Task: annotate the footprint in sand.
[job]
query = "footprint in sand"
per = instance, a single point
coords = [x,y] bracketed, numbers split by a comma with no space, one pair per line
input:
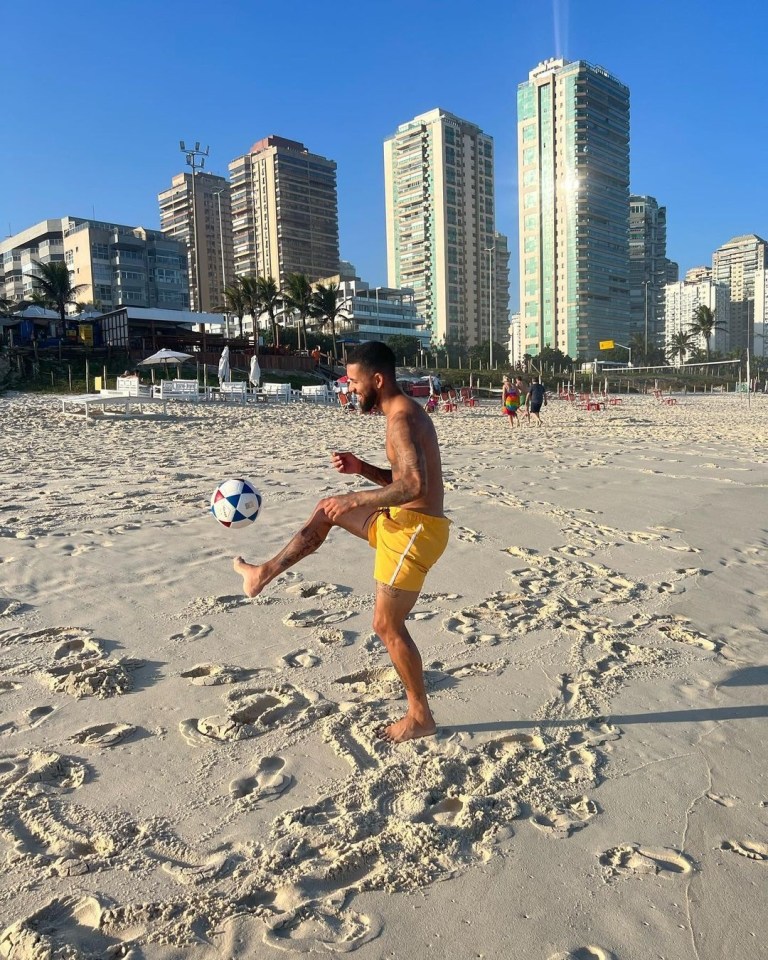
[103,734]
[322,927]
[722,800]
[469,536]
[473,669]
[217,674]
[28,721]
[561,821]
[300,658]
[7,685]
[316,589]
[192,632]
[250,713]
[57,926]
[584,953]
[374,683]
[80,648]
[10,607]
[270,780]
[633,860]
[334,638]
[190,875]
[316,618]
[751,849]
[422,614]
[676,631]
[445,812]
[88,678]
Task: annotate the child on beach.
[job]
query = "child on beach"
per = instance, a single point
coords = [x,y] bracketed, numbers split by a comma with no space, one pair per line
[510,398]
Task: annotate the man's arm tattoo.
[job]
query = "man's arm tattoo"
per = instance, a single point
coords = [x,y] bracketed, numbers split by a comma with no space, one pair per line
[376,474]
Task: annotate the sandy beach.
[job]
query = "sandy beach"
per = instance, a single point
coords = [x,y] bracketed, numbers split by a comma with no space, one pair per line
[186,773]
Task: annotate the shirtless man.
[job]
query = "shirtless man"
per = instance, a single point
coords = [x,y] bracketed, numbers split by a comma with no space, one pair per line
[403,521]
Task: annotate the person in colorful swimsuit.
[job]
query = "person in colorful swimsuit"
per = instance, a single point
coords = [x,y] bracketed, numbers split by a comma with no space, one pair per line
[403,521]
[510,396]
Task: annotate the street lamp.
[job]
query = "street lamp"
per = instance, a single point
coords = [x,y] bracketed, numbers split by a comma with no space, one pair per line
[490,252]
[195,154]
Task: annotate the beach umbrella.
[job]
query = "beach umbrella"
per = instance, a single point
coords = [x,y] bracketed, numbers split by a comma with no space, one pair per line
[224,373]
[165,357]
[255,372]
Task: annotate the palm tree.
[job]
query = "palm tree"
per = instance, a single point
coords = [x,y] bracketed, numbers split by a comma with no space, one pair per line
[6,306]
[234,301]
[53,284]
[270,300]
[252,301]
[327,307]
[704,324]
[297,295]
[679,344]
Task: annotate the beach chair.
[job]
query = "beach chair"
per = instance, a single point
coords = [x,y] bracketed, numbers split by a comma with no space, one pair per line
[177,390]
[278,391]
[445,403]
[467,398]
[315,393]
[234,391]
[133,387]
[346,403]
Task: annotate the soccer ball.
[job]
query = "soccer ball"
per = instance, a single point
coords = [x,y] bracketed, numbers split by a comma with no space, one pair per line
[235,503]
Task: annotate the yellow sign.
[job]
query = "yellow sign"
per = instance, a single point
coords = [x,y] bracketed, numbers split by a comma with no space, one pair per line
[607,344]
[85,333]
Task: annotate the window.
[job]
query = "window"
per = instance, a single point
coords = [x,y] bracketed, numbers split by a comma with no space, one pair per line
[529,132]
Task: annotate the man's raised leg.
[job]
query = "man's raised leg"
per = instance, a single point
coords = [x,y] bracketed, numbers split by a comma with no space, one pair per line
[392,607]
[306,541]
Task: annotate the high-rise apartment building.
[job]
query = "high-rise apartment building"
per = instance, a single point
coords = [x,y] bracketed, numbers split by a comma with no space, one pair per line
[737,264]
[284,211]
[439,186]
[573,162]
[648,268]
[501,288]
[683,298]
[116,265]
[199,214]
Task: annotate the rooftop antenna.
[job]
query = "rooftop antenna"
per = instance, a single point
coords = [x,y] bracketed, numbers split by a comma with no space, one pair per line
[196,160]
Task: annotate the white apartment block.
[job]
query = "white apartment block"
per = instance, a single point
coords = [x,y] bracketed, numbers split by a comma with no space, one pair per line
[376,313]
[115,265]
[441,239]
[44,242]
[284,211]
[199,214]
[736,264]
[682,299]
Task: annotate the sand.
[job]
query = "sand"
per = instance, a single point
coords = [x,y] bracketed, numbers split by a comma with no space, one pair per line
[185,773]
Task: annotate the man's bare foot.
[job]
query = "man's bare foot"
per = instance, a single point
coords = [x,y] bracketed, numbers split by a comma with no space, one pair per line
[254,577]
[406,729]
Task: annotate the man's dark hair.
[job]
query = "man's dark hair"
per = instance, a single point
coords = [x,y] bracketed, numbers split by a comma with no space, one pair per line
[375,357]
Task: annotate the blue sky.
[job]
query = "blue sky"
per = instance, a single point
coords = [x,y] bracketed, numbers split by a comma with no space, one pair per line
[98,94]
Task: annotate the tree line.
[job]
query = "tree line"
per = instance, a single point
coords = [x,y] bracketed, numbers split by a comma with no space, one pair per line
[261,296]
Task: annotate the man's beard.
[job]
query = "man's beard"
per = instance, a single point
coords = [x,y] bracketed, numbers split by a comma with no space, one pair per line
[367,402]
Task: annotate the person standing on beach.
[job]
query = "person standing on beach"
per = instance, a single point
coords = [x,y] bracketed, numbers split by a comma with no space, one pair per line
[510,398]
[537,396]
[522,386]
[403,521]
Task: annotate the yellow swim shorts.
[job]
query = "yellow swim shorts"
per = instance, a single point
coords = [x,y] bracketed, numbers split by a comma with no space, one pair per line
[407,545]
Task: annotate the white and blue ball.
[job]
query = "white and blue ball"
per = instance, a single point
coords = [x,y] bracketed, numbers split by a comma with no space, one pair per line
[235,503]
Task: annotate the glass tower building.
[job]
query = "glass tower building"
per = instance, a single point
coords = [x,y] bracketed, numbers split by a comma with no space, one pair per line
[573,163]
